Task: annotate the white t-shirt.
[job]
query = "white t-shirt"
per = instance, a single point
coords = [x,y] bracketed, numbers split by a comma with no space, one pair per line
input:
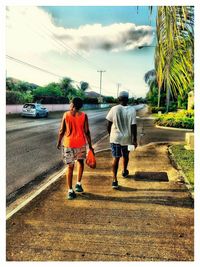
[122,117]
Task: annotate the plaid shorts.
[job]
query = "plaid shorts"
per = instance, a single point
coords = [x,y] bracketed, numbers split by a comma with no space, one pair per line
[70,155]
[119,151]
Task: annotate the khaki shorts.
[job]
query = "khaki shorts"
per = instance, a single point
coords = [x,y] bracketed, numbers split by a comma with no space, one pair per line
[70,155]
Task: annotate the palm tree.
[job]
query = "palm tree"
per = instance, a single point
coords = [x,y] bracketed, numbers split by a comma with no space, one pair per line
[174,50]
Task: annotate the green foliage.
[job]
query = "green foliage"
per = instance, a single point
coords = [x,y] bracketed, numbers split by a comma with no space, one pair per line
[27,97]
[172,106]
[152,95]
[52,89]
[15,97]
[53,93]
[67,88]
[10,84]
[109,99]
[182,101]
[140,100]
[181,119]
[89,100]
[84,86]
[185,159]
[132,101]
[51,99]
[157,109]
[20,86]
[174,50]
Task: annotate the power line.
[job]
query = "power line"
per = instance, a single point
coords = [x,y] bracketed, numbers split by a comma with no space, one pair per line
[41,69]
[59,43]
[32,66]
[71,49]
[62,44]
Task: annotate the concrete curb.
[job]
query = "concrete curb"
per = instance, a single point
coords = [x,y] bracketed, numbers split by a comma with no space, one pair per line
[178,167]
[174,129]
[14,208]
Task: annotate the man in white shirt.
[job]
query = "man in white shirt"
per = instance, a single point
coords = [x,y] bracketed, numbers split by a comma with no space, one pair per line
[122,129]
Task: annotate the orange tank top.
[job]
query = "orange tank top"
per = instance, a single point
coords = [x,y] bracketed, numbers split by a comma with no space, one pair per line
[74,135]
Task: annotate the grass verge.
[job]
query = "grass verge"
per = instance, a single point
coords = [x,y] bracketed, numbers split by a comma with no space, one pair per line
[185,160]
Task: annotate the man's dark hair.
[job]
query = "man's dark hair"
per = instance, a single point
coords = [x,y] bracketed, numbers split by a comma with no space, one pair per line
[78,102]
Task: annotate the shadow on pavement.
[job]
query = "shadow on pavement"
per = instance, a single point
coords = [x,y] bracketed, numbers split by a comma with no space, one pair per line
[158,200]
[151,176]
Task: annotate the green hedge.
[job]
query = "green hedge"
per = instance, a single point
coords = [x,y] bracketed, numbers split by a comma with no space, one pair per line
[181,119]
[16,97]
[51,99]
[156,109]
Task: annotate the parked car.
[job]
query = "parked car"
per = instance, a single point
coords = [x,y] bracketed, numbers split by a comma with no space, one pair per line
[34,110]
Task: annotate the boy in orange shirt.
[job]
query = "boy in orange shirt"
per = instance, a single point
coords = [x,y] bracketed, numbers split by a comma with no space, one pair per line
[74,131]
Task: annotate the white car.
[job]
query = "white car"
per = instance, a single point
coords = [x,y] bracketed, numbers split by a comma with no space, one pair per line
[34,110]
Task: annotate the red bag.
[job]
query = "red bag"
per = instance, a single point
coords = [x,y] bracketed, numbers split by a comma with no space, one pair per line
[90,159]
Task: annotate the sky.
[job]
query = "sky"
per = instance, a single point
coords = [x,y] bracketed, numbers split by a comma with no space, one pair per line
[79,41]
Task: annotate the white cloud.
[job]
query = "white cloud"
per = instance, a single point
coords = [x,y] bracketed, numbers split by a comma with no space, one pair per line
[30,30]
[33,37]
[116,37]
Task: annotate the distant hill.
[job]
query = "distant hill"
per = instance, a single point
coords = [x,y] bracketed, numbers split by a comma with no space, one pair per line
[17,81]
[92,94]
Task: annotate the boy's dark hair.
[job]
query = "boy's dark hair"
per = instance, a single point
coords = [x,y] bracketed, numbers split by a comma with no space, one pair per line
[78,102]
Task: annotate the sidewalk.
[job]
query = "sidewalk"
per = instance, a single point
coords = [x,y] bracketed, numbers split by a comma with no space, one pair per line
[150,218]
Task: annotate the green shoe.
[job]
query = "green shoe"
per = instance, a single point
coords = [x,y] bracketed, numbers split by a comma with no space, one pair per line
[71,195]
[125,173]
[115,185]
[78,188]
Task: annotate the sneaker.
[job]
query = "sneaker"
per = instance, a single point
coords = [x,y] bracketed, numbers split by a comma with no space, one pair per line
[115,185]
[78,188]
[71,195]
[125,173]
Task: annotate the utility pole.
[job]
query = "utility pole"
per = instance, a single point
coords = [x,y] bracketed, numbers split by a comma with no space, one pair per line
[101,71]
[118,85]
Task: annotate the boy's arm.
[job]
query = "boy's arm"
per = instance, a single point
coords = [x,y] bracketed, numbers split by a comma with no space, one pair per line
[61,132]
[87,132]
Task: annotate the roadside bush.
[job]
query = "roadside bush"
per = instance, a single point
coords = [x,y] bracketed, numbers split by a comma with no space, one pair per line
[14,97]
[88,100]
[51,99]
[27,97]
[173,106]
[156,109]
[109,99]
[182,119]
[51,89]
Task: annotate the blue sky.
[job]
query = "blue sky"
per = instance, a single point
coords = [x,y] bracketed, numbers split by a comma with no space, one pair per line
[77,41]
[100,14]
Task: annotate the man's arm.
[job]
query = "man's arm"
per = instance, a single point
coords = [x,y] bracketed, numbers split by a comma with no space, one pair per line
[61,132]
[87,132]
[109,125]
[134,134]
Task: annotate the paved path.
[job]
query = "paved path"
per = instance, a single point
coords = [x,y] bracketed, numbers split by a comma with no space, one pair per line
[150,218]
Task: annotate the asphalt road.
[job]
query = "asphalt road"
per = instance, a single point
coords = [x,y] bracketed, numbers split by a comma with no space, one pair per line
[31,146]
[31,143]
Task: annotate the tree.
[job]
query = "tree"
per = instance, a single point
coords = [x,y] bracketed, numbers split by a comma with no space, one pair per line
[84,86]
[66,86]
[52,89]
[174,50]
